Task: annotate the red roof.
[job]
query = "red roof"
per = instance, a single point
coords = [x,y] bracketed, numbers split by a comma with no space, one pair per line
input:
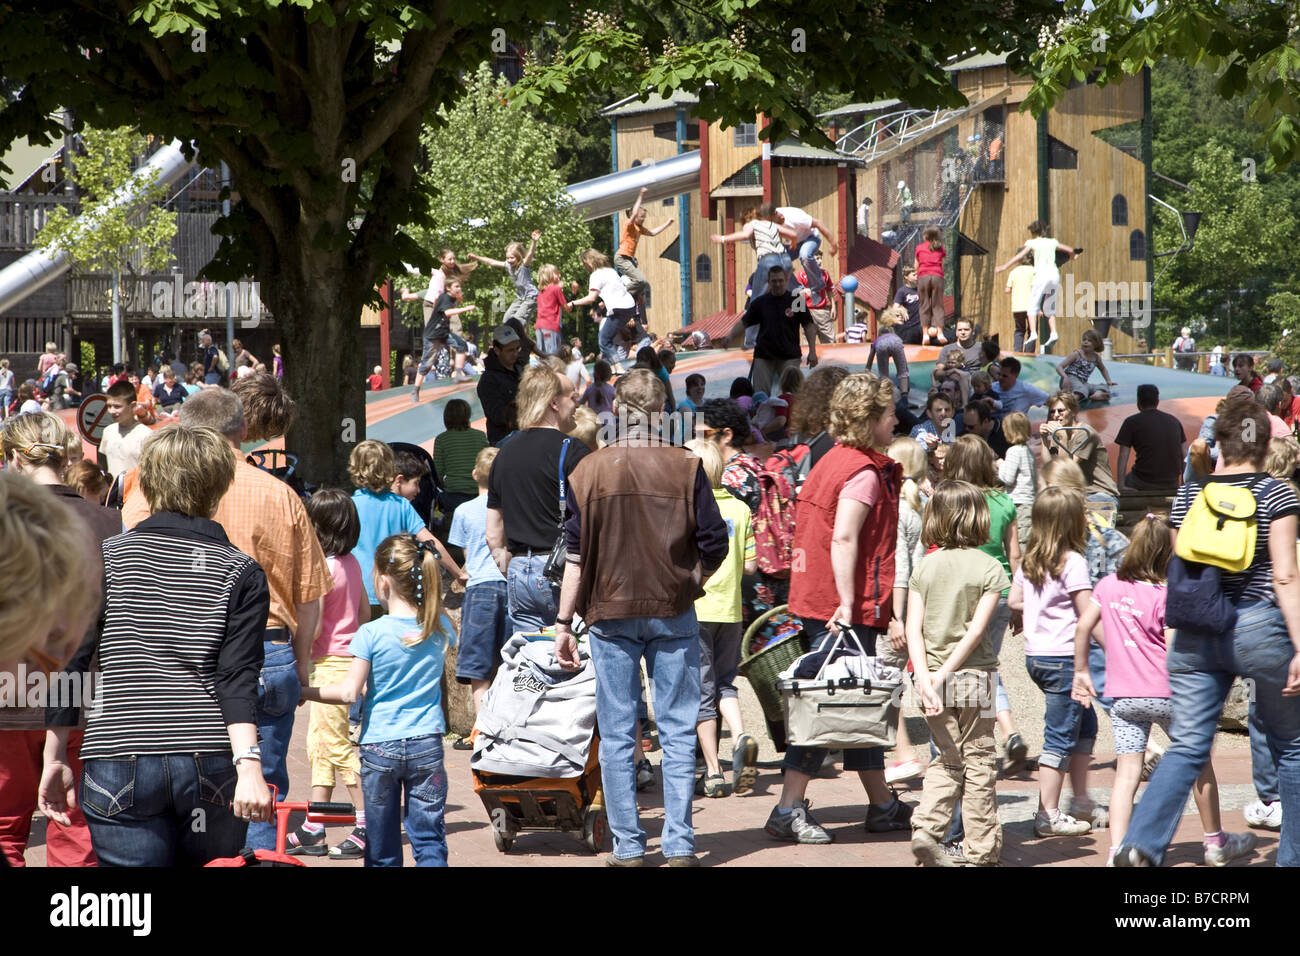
[873,264]
[717,326]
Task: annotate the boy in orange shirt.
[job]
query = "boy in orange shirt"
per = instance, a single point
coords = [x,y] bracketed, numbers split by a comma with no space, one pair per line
[625,258]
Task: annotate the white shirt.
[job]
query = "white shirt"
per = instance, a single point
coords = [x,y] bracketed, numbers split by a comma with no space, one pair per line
[437,286]
[1044,251]
[798,220]
[122,452]
[30,407]
[608,284]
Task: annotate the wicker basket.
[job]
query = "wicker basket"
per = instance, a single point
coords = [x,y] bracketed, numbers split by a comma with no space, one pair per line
[761,669]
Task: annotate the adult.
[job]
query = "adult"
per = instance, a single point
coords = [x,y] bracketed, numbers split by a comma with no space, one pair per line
[243,357]
[1081,444]
[499,382]
[1047,279]
[169,393]
[808,236]
[1272,399]
[523,517]
[265,519]
[778,314]
[454,452]
[1264,646]
[978,418]
[208,355]
[1243,367]
[36,447]
[1274,371]
[176,365]
[1183,345]
[643,534]
[1159,441]
[909,298]
[1015,395]
[810,418]
[1290,385]
[972,348]
[172,740]
[847,530]
[904,203]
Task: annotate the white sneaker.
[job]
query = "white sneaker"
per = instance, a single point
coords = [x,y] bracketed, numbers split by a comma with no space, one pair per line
[1048,344]
[1063,825]
[1238,845]
[1263,816]
[1092,813]
[906,770]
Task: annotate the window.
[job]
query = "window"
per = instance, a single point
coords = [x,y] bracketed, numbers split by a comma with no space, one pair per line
[703,269]
[746,134]
[1060,156]
[1137,245]
[666,130]
[1119,211]
[667,202]
[635,164]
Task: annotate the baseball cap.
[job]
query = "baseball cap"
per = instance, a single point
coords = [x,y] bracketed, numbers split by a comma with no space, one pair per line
[504,335]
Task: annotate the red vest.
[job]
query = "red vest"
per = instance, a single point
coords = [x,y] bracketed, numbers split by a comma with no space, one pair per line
[812,580]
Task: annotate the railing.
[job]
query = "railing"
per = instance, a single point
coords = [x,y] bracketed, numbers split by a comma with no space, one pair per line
[24,215]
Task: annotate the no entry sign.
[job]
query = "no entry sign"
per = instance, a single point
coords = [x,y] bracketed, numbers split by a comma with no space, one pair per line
[93,418]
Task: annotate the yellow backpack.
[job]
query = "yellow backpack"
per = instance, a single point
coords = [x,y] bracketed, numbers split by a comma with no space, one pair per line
[1219,527]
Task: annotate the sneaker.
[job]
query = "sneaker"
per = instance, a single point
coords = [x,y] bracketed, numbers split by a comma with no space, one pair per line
[1130,856]
[1089,812]
[1150,763]
[645,775]
[895,816]
[903,770]
[690,860]
[744,764]
[301,843]
[353,848]
[1237,846]
[1028,344]
[1263,816]
[1063,825]
[715,785]
[1051,339]
[1014,752]
[930,852]
[797,826]
[613,860]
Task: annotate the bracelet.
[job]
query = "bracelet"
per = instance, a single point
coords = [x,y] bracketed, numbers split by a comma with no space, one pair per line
[566,622]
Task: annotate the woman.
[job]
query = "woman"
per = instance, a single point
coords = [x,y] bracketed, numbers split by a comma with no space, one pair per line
[408,370]
[811,416]
[173,736]
[454,452]
[1264,646]
[846,529]
[1083,446]
[243,357]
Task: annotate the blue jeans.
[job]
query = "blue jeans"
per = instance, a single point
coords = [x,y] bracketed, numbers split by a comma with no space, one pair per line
[278,692]
[482,631]
[1201,670]
[161,810]
[808,259]
[1069,728]
[758,283]
[1097,671]
[608,339]
[532,602]
[1263,768]
[415,765]
[671,648]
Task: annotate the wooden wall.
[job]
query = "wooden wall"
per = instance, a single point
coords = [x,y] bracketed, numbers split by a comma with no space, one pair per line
[706,297]
[725,158]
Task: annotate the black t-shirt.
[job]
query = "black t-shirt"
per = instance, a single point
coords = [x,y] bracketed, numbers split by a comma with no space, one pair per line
[778,326]
[909,299]
[210,360]
[1156,438]
[439,326]
[525,486]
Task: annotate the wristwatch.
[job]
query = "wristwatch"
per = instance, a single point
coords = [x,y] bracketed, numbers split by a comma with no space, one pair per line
[252,753]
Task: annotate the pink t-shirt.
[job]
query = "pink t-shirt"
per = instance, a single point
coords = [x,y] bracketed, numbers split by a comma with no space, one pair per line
[929,262]
[864,487]
[1050,618]
[1133,617]
[338,614]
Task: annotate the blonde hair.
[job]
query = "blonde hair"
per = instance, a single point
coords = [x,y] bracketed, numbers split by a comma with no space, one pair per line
[594,259]
[892,316]
[1060,525]
[710,456]
[586,427]
[411,566]
[483,464]
[538,387]
[908,453]
[1015,428]
[958,517]
[1061,473]
[857,404]
[515,247]
[1282,457]
[41,440]
[971,459]
[372,466]
[187,470]
[982,379]
[1148,553]
[548,274]
[639,394]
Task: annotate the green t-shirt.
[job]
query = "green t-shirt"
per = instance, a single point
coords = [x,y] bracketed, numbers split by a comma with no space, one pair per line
[1002,512]
[453,456]
[950,583]
[721,601]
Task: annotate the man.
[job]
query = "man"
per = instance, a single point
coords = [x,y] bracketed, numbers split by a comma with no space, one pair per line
[1274,371]
[643,534]
[1185,343]
[1159,441]
[978,419]
[177,366]
[777,314]
[1243,366]
[499,383]
[264,517]
[820,303]
[1273,400]
[1015,395]
[904,203]
[523,517]
[807,240]
[208,356]
[972,349]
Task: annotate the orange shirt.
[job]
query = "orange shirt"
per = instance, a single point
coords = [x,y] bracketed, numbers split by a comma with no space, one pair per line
[632,233]
[264,518]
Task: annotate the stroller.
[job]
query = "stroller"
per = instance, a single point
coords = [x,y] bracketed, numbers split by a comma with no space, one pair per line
[536,747]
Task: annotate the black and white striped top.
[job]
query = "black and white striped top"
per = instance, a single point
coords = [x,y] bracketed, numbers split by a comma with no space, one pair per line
[181,640]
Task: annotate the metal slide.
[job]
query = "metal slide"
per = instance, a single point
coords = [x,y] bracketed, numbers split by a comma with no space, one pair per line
[40,267]
[606,195]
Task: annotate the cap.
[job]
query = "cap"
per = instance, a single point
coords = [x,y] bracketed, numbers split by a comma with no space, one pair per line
[71,367]
[504,335]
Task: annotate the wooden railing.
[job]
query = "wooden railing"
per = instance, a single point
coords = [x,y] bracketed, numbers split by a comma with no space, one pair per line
[23,216]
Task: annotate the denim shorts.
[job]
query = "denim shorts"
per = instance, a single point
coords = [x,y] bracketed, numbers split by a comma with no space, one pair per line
[483,631]
[1068,727]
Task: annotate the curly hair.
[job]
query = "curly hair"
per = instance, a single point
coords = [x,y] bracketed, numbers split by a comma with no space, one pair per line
[720,413]
[858,403]
[812,413]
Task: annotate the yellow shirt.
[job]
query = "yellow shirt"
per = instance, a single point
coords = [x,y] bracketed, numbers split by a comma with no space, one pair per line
[1020,282]
[721,601]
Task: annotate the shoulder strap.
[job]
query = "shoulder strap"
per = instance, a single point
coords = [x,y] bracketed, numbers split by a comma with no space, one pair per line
[560,474]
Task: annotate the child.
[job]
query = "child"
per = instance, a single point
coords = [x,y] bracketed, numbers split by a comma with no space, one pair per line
[575,368]
[411,470]
[718,611]
[1077,367]
[343,610]
[376,379]
[483,624]
[1018,473]
[1052,588]
[951,367]
[1047,279]
[981,387]
[88,480]
[607,286]
[625,257]
[929,277]
[398,659]
[277,362]
[888,345]
[1129,606]
[438,334]
[938,425]
[934,467]
[856,333]
[951,600]
[908,554]
[599,396]
[124,439]
[6,389]
[1019,282]
[517,264]
[549,303]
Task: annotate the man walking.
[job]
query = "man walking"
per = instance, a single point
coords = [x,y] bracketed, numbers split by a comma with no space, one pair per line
[643,534]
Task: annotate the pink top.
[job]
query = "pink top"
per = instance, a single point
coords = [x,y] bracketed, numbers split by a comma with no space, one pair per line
[549,303]
[1050,618]
[338,613]
[864,487]
[1133,617]
[929,262]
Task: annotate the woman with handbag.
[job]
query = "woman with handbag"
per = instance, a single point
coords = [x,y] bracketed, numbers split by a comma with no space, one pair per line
[1257,636]
[846,532]
[1081,444]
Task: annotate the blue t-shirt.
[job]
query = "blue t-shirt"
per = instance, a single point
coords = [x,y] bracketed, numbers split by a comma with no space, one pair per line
[1019,397]
[403,691]
[381,516]
[469,531]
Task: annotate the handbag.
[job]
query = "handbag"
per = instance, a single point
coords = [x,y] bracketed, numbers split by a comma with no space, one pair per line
[553,570]
[850,712]
[1195,601]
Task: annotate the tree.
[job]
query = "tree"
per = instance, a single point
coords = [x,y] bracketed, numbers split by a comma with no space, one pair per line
[111,236]
[317,106]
